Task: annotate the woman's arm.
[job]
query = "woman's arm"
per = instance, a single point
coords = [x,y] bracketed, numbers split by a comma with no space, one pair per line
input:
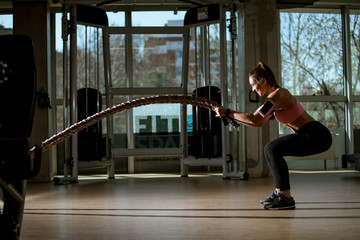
[248,119]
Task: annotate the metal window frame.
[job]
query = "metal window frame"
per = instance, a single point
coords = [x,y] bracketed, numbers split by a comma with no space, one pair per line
[347,98]
[130,91]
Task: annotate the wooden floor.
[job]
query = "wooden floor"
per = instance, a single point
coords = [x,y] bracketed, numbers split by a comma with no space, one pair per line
[156,207]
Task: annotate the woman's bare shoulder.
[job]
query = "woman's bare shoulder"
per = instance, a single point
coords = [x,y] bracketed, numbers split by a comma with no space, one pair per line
[280,93]
[282,97]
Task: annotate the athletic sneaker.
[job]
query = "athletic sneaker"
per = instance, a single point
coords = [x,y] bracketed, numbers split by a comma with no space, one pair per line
[281,203]
[270,198]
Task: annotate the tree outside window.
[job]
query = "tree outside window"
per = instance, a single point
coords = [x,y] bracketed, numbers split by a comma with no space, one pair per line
[312,60]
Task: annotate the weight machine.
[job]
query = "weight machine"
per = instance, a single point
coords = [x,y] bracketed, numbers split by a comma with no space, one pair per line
[82,89]
[195,18]
[201,18]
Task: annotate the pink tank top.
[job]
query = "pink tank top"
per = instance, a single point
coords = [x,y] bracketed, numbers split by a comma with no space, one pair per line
[290,115]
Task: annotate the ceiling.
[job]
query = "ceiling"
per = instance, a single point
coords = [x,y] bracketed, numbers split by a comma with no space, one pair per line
[138,3]
[163,4]
[200,2]
[151,5]
[147,2]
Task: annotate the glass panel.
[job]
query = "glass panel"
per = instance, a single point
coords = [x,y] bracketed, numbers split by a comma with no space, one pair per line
[157,119]
[355,50]
[58,32]
[116,19]
[155,125]
[331,114]
[120,124]
[90,66]
[356,112]
[355,65]
[6,24]
[194,53]
[204,69]
[117,60]
[229,61]
[158,19]
[157,60]
[59,56]
[120,120]
[311,52]
[120,129]
[60,119]
[214,47]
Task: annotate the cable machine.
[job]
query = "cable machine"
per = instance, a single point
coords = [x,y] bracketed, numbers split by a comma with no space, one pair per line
[82,84]
[196,18]
[200,18]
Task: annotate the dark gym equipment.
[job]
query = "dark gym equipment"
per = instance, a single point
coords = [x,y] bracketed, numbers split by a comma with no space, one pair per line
[91,144]
[206,139]
[17,102]
[202,15]
[351,161]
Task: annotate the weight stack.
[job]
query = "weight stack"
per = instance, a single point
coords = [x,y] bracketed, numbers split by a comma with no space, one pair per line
[91,144]
[206,139]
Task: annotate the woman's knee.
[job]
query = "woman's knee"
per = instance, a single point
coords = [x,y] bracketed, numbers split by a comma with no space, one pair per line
[270,149]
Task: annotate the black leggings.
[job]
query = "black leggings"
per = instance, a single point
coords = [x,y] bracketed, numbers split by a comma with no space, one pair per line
[310,139]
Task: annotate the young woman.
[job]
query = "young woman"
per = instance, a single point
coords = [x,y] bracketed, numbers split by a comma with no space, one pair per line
[310,137]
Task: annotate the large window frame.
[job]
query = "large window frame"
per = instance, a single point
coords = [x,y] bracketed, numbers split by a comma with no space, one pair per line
[348,98]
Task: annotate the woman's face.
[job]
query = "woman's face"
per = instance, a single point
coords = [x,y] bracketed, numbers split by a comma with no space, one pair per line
[258,87]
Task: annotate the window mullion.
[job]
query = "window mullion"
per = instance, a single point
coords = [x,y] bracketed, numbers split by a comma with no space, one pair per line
[345,15]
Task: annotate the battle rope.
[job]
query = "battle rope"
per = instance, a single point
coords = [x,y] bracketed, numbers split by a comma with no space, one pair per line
[66,133]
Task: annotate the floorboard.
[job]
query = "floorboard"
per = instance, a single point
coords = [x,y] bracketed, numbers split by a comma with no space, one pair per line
[204,206]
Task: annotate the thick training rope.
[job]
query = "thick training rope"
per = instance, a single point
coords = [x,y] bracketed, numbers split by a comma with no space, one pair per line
[68,132]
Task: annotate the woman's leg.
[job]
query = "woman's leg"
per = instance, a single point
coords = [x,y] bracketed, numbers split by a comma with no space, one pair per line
[310,139]
[274,154]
